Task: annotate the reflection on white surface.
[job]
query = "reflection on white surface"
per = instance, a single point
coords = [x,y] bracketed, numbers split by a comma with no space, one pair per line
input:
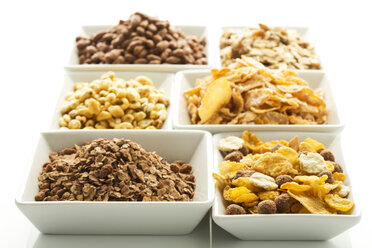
[198,238]
[222,239]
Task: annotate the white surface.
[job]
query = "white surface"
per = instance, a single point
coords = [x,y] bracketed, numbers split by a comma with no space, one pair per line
[87,31]
[156,218]
[222,239]
[198,238]
[285,226]
[161,81]
[36,42]
[185,80]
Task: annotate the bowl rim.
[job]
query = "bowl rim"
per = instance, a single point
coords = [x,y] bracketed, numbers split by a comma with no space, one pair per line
[209,180]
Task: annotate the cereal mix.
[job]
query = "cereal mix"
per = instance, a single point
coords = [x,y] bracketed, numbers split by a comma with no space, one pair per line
[281,176]
[247,92]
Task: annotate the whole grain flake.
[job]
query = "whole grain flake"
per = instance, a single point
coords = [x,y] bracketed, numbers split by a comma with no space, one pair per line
[113,170]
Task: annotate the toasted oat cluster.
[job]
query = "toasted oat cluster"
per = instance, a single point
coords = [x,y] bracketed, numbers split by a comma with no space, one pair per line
[281,176]
[276,48]
[113,170]
[247,92]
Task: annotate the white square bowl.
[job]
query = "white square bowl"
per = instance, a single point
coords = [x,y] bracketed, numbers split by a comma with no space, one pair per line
[153,218]
[161,80]
[305,31]
[186,80]
[285,226]
[87,31]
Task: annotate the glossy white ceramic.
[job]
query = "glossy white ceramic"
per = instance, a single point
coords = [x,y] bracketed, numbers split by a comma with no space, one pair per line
[152,218]
[285,226]
[186,80]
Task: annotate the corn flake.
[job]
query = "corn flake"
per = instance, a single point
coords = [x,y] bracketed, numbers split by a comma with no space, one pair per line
[293,143]
[330,166]
[245,182]
[268,195]
[339,176]
[295,187]
[273,164]
[338,203]
[241,194]
[229,168]
[250,204]
[315,144]
[291,155]
[312,203]
[296,207]
[306,147]
[218,94]
[252,141]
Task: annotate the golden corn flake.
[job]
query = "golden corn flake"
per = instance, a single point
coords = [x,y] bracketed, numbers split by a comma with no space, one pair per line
[226,194]
[268,195]
[247,161]
[326,188]
[310,179]
[330,166]
[315,144]
[303,210]
[253,210]
[291,155]
[293,143]
[218,94]
[218,177]
[241,194]
[252,141]
[296,207]
[244,182]
[339,176]
[229,168]
[258,146]
[267,146]
[306,147]
[295,187]
[250,204]
[273,164]
[312,203]
[338,203]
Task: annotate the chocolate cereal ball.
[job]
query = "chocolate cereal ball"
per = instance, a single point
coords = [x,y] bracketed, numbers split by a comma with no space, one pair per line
[244,150]
[234,209]
[241,173]
[329,175]
[327,155]
[337,167]
[234,156]
[283,179]
[283,203]
[267,207]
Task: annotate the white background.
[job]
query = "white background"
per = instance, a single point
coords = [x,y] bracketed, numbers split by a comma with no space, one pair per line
[37,36]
